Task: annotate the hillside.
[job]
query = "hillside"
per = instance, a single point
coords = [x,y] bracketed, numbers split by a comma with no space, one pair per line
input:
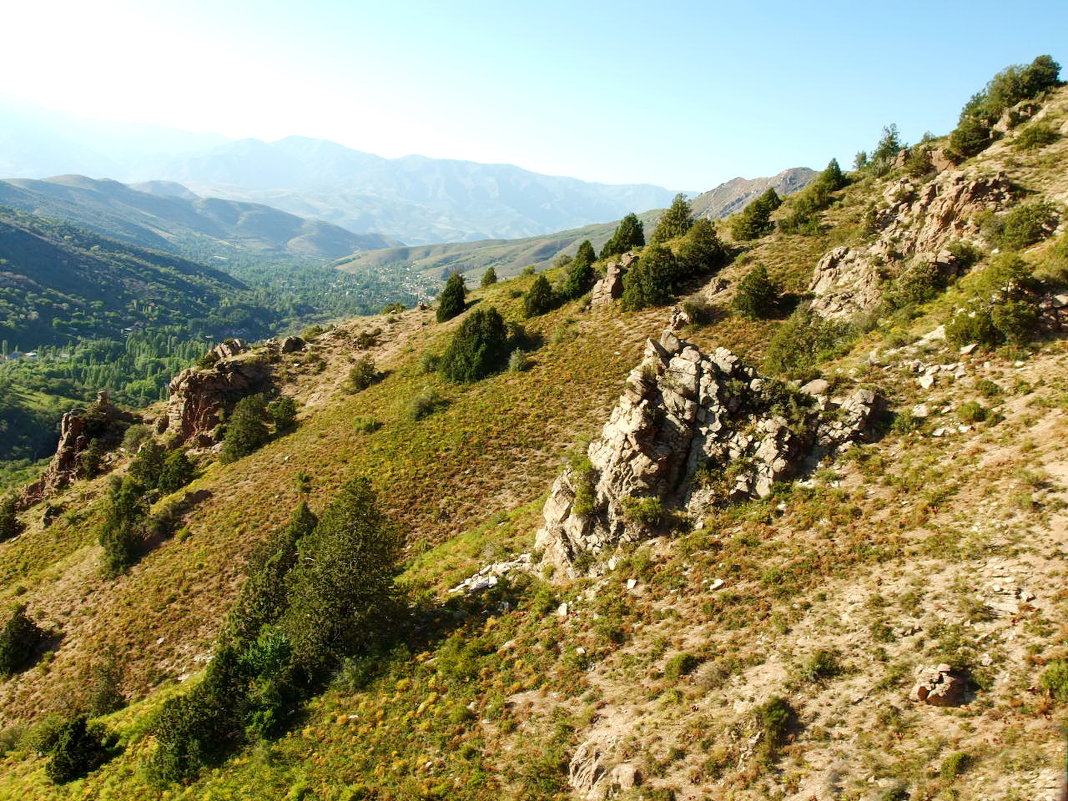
[807,543]
[510,257]
[174,220]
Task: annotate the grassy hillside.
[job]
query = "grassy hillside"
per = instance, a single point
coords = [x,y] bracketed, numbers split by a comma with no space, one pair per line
[768,650]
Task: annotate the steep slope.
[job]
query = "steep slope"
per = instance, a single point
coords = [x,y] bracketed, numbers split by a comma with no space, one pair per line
[884,621]
[734,195]
[179,222]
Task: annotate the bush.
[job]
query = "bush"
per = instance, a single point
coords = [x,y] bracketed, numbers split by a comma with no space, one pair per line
[1036,135]
[519,362]
[283,413]
[757,296]
[147,466]
[674,222]
[425,404]
[539,299]
[177,472]
[20,639]
[489,278]
[1025,225]
[366,425]
[804,206]
[680,665]
[584,479]
[972,412]
[821,665]
[647,512]
[392,308]
[1001,306]
[652,281]
[773,720]
[122,534]
[9,522]
[80,748]
[629,234]
[580,273]
[803,341]
[918,284]
[453,298]
[479,347]
[246,429]
[362,375]
[754,221]
[1054,679]
[701,251]
[134,436]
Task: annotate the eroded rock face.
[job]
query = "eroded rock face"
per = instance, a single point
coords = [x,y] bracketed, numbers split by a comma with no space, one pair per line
[610,288]
[199,396]
[689,431]
[102,420]
[919,221]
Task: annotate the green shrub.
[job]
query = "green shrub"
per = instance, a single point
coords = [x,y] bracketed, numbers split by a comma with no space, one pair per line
[453,298]
[652,281]
[701,251]
[674,222]
[757,296]
[178,471]
[648,512]
[584,480]
[971,326]
[804,341]
[362,375]
[478,348]
[1023,226]
[580,273]
[147,466]
[754,221]
[1054,679]
[918,284]
[629,234]
[972,412]
[367,339]
[80,748]
[283,413]
[821,665]
[122,534]
[489,278]
[774,720]
[1002,306]
[246,429]
[9,522]
[426,403]
[366,425]
[803,208]
[682,664]
[134,436]
[1036,135]
[519,362]
[954,765]
[540,298]
[20,640]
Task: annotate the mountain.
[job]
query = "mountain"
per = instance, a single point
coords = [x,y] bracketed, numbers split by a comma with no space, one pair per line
[167,216]
[796,535]
[734,195]
[417,199]
[510,257]
[59,282]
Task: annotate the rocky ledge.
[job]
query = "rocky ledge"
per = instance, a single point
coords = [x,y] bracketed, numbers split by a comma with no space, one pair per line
[691,431]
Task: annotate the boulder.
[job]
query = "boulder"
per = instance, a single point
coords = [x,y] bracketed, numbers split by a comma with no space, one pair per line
[940,686]
[690,430]
[293,345]
[609,288]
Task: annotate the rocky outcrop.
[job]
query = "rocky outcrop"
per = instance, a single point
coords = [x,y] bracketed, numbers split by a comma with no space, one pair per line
[610,288]
[940,686]
[200,395]
[916,224]
[102,421]
[690,431]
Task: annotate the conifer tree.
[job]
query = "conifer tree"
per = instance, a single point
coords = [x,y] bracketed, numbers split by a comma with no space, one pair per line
[629,234]
[453,298]
[580,273]
[147,466]
[675,221]
[246,430]
[701,251]
[123,531]
[757,296]
[539,298]
[754,221]
[9,523]
[489,278]
[479,347]
[651,281]
[177,472]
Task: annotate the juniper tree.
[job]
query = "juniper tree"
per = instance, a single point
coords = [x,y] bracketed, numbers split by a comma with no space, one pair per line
[246,429]
[479,347]
[489,277]
[453,298]
[675,221]
[580,273]
[539,299]
[629,234]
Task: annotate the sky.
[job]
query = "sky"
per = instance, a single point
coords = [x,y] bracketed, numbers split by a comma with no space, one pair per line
[685,95]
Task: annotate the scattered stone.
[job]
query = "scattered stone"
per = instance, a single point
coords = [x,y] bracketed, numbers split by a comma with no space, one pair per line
[816,387]
[561,610]
[490,575]
[968,350]
[716,584]
[632,583]
[926,381]
[920,411]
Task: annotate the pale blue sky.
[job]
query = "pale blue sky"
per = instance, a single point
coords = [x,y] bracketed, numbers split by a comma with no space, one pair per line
[683,94]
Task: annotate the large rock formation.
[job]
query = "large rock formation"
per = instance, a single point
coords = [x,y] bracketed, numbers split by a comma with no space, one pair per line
[689,431]
[102,421]
[200,395]
[917,223]
[610,288]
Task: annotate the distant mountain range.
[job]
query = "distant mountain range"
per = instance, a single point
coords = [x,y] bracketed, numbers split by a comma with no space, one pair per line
[734,195]
[413,199]
[167,216]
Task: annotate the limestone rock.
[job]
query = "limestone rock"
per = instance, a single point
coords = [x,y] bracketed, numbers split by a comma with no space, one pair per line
[940,686]
[102,420]
[916,225]
[199,396]
[293,345]
[490,575]
[690,430]
[609,288]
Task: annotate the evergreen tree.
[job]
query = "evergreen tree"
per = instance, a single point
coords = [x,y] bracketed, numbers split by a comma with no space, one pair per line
[177,472]
[19,641]
[489,278]
[754,221]
[629,234]
[580,273]
[651,281]
[701,251]
[453,298]
[283,413]
[757,296]
[889,146]
[9,522]
[90,461]
[479,347]
[342,588]
[539,298]
[123,531]
[147,466]
[675,221]
[832,177]
[246,430]
[79,749]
